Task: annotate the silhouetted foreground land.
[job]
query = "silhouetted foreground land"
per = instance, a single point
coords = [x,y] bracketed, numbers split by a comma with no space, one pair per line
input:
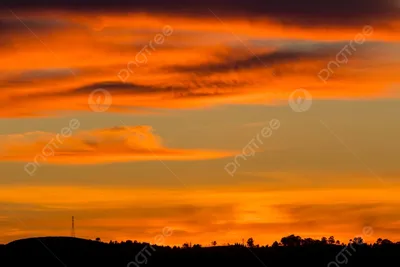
[73,252]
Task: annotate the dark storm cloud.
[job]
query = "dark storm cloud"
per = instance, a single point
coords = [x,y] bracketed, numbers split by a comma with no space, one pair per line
[307,12]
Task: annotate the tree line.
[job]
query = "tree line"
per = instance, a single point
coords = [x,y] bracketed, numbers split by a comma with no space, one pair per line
[287,241]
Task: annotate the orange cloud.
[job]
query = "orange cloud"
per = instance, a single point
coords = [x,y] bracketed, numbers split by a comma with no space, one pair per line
[200,64]
[118,144]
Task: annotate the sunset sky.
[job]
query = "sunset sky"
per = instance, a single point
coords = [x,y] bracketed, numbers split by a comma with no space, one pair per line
[133,109]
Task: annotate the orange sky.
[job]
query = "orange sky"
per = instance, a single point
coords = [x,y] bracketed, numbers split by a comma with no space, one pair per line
[184,94]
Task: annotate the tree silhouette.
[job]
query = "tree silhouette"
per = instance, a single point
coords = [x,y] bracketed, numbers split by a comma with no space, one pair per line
[312,252]
[214,243]
[98,239]
[250,242]
[358,240]
[331,240]
[308,241]
[387,242]
[291,240]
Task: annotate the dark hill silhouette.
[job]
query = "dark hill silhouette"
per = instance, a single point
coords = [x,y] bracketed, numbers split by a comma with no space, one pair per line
[291,251]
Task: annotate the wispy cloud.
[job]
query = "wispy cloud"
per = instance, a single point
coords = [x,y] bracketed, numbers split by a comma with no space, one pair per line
[118,144]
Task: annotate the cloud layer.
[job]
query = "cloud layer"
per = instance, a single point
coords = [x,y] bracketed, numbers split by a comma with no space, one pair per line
[118,144]
[306,12]
[178,77]
[257,49]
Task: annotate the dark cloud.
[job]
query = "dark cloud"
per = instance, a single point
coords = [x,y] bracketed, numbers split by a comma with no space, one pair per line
[257,61]
[11,25]
[308,12]
[177,90]
[131,88]
[266,60]
[114,86]
[181,88]
[110,86]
